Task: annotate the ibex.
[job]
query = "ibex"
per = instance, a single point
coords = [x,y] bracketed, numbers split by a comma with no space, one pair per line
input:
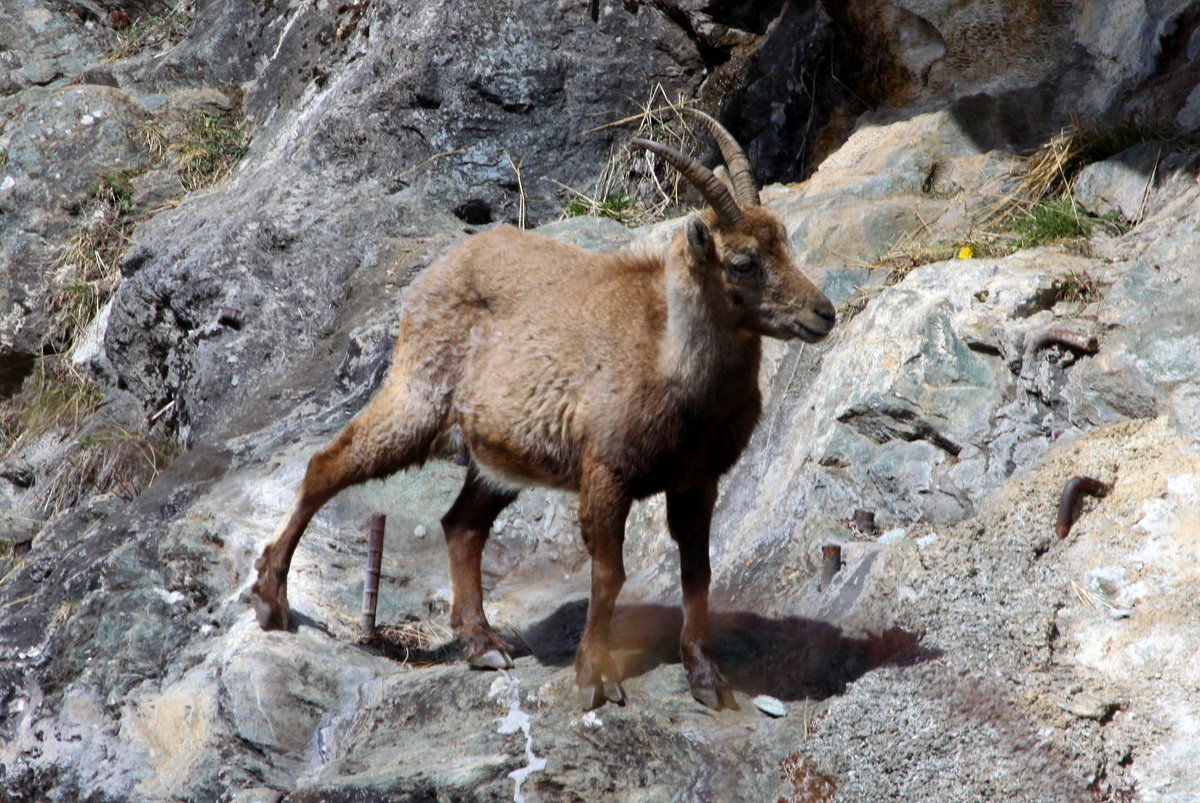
[614,375]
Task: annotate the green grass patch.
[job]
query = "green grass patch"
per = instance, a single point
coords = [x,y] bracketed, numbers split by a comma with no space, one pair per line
[1056,220]
[211,147]
[614,206]
[114,190]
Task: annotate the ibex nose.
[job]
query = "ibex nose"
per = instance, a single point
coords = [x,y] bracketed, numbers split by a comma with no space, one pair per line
[825,310]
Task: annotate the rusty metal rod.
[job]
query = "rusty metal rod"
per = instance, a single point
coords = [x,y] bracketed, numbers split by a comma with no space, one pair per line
[1070,498]
[831,563]
[864,520]
[371,584]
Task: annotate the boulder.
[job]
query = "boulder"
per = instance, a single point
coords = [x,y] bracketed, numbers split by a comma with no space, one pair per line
[1121,185]
[43,46]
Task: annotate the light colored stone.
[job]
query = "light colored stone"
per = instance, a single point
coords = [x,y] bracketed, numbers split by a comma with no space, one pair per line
[771,706]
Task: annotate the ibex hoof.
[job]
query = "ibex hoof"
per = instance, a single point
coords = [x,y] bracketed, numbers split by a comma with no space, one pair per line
[595,695]
[492,659]
[272,615]
[715,698]
[483,649]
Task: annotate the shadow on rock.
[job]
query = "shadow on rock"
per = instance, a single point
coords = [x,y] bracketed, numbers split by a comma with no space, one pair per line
[790,658]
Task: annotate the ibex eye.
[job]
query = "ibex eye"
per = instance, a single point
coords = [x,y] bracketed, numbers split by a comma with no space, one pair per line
[743,263]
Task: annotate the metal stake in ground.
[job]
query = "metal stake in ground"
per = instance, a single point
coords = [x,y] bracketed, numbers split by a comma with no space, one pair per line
[831,564]
[371,585]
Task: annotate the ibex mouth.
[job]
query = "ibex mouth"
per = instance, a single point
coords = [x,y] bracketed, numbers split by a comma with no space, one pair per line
[811,325]
[790,328]
[811,335]
[820,322]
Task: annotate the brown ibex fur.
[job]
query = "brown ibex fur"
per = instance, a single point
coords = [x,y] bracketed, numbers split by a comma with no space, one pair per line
[615,375]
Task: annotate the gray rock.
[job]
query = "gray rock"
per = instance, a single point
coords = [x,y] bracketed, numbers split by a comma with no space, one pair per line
[43,43]
[1089,706]
[777,98]
[1121,185]
[59,146]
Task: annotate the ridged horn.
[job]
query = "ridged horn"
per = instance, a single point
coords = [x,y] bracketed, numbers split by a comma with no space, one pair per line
[740,173]
[717,195]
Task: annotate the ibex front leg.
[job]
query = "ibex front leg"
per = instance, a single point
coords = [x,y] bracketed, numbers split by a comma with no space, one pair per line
[689,518]
[603,506]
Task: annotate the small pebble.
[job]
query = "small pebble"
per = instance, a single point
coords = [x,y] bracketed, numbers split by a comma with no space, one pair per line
[769,705]
[420,531]
[1089,706]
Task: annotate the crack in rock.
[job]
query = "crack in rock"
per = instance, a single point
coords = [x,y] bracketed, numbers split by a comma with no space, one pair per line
[506,689]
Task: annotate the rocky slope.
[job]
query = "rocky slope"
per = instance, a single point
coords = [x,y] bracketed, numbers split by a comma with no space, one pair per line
[962,651]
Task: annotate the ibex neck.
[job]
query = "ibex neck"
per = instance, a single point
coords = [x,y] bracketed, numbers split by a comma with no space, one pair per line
[699,347]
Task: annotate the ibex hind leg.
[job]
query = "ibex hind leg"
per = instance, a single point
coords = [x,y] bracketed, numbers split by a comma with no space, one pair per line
[384,438]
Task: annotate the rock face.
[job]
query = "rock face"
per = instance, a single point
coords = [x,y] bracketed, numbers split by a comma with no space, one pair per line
[60,143]
[954,650]
[408,117]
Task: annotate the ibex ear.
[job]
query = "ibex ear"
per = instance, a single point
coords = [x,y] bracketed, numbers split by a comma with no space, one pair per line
[700,241]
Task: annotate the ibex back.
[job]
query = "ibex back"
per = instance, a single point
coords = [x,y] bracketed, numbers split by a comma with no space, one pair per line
[615,375]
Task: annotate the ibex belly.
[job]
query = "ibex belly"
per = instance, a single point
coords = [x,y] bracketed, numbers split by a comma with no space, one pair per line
[519,415]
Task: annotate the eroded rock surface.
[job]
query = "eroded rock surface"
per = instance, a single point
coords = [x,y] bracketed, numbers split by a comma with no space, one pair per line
[958,651]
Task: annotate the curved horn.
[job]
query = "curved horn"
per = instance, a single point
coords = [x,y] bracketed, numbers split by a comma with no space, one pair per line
[735,158]
[717,195]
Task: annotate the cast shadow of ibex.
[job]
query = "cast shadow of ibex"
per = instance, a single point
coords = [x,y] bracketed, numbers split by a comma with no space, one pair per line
[789,657]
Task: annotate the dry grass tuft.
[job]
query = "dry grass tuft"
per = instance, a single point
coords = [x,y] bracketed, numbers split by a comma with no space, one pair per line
[418,641]
[57,399]
[521,200]
[62,613]
[87,268]
[54,397]
[153,140]
[1077,286]
[109,462]
[1051,171]
[1094,600]
[1043,200]
[637,187]
[153,32]
[211,147]
[912,251]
